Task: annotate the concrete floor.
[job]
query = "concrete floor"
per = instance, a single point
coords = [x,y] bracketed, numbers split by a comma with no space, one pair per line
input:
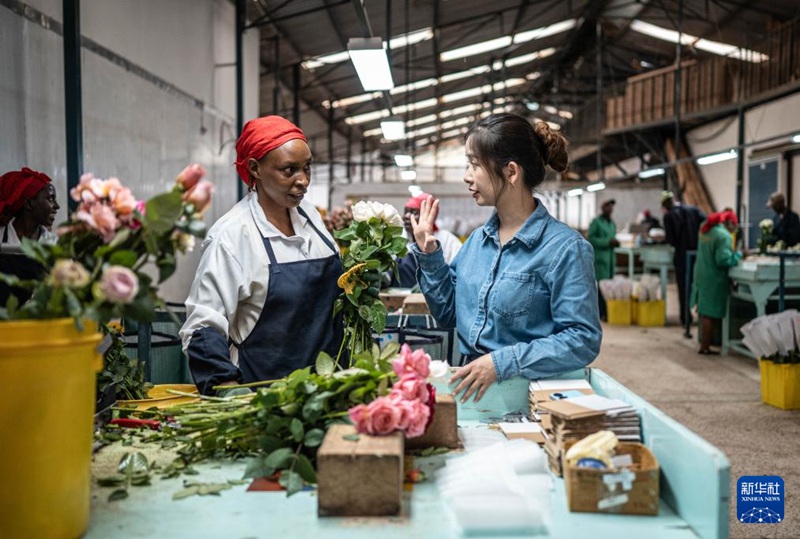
[717,397]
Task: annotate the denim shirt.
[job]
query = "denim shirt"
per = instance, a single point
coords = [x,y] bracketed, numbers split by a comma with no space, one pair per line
[532,303]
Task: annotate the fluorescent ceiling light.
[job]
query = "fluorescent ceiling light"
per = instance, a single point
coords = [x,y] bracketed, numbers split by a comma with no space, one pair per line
[505,41]
[796,139]
[371,63]
[393,129]
[714,47]
[402,160]
[395,43]
[595,187]
[408,175]
[574,192]
[427,83]
[717,157]
[650,172]
[430,103]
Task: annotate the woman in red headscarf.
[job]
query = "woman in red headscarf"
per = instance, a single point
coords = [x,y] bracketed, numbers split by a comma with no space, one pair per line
[710,288]
[261,302]
[28,208]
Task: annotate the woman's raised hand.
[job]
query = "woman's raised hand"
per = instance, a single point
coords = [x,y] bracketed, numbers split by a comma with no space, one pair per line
[423,229]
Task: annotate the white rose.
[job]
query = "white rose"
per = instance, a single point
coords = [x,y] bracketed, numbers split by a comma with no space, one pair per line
[361,211]
[391,215]
[765,223]
[438,371]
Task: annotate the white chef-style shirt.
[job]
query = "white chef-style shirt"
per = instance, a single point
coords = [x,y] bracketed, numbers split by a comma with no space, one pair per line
[232,280]
[13,242]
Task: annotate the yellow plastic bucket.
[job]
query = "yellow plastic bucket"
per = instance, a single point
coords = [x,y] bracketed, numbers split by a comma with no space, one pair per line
[780,384]
[619,312]
[46,415]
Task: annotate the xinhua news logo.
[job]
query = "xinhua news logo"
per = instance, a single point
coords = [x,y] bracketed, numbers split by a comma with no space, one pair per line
[759,499]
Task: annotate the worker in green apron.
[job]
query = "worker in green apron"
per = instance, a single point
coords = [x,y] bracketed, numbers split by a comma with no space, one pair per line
[602,236]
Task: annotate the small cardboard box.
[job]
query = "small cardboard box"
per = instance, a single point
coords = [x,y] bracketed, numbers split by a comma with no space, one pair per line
[415,304]
[361,475]
[627,491]
[443,430]
[393,300]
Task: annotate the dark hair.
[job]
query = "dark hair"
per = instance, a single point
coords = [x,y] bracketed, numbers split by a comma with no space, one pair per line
[499,139]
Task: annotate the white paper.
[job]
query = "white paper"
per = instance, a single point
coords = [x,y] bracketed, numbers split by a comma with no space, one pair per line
[596,402]
[520,428]
[579,383]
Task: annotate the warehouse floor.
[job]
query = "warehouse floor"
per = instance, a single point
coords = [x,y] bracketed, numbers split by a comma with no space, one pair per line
[717,397]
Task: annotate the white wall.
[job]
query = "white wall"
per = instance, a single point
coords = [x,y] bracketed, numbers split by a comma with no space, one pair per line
[777,118]
[135,127]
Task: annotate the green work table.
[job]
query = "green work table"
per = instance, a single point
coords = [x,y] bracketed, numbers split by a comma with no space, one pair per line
[756,283]
[694,492]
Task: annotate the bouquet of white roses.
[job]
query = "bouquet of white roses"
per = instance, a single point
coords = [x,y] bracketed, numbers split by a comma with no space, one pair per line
[767,238]
[370,247]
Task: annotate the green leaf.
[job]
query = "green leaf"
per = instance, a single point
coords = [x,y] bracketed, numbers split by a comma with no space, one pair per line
[119,494]
[351,437]
[291,481]
[111,481]
[304,467]
[297,430]
[125,258]
[314,437]
[167,265]
[161,212]
[279,458]
[185,493]
[325,364]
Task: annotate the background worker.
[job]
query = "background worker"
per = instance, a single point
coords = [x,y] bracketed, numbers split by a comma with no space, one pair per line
[28,208]
[681,225]
[261,303]
[602,236]
[786,223]
[711,288]
[407,266]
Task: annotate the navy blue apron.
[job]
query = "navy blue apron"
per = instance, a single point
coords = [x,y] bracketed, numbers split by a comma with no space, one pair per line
[296,322]
[19,265]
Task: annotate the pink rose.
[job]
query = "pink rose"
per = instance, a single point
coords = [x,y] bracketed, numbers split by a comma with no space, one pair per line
[117,285]
[383,416]
[418,423]
[99,218]
[123,202]
[200,195]
[408,362]
[359,415]
[405,407]
[411,387]
[189,176]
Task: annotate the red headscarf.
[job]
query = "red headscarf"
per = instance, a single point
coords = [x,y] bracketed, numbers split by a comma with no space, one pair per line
[259,137]
[718,218]
[16,187]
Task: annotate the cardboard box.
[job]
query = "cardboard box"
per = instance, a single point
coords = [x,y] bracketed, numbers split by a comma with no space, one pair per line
[362,476]
[393,300]
[443,431]
[415,304]
[627,491]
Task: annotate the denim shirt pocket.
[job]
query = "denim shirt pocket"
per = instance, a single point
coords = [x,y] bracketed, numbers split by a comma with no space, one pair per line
[513,294]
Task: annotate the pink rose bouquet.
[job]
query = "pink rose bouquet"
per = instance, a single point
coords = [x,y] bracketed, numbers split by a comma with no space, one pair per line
[409,405]
[95,269]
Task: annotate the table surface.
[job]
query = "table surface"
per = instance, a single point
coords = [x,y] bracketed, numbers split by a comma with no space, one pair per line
[151,512]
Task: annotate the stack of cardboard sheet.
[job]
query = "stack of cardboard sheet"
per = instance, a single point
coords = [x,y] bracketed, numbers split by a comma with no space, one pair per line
[575,418]
[541,391]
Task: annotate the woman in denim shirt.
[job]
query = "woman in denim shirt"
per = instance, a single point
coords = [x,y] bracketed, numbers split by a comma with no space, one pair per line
[521,291]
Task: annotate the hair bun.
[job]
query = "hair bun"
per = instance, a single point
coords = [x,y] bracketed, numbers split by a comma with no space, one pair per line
[555,147]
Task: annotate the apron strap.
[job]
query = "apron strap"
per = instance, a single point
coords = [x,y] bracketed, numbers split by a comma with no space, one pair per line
[326,240]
